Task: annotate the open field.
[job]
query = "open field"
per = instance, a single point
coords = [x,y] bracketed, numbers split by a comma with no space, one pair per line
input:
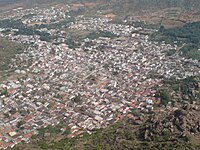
[170,18]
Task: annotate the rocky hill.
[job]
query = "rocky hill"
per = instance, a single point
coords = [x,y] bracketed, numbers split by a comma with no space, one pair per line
[180,124]
[174,128]
[172,125]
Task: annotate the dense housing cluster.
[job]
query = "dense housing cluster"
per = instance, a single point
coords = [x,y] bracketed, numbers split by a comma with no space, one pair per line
[91,86]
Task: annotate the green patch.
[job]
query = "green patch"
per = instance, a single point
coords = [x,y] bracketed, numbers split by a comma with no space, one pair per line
[51,130]
[188,89]
[189,35]
[121,135]
[171,52]
[96,35]
[135,113]
[146,25]
[165,97]
[8,50]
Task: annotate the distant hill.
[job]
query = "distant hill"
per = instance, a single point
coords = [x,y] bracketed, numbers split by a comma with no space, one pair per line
[121,5]
[146,4]
[138,4]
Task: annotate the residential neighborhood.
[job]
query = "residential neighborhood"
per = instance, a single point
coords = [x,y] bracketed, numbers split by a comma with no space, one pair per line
[87,87]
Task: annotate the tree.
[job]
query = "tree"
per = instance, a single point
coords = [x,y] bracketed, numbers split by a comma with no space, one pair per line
[162,29]
[165,97]
[20,124]
[4,92]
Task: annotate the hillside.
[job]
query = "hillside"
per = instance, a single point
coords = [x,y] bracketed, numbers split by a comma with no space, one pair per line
[174,129]
[123,5]
[187,37]
[176,126]
[165,12]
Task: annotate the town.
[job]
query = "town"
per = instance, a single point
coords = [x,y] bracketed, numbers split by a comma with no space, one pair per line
[87,87]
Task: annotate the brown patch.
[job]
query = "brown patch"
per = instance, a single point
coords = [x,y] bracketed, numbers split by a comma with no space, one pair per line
[91,4]
[172,23]
[168,17]
[100,83]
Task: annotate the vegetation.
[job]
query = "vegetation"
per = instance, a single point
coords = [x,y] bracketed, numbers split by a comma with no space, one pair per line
[71,43]
[171,52]
[10,23]
[128,134]
[187,36]
[186,89]
[141,3]
[123,135]
[3,92]
[51,130]
[58,25]
[22,29]
[95,35]
[144,25]
[165,97]
[8,50]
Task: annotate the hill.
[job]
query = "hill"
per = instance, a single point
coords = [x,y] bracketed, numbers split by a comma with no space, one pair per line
[174,129]
[123,5]
[176,126]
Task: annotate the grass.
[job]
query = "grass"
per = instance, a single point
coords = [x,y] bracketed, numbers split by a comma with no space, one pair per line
[8,50]
[121,135]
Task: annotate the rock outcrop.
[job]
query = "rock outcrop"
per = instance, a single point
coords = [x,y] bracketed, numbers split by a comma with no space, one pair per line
[168,126]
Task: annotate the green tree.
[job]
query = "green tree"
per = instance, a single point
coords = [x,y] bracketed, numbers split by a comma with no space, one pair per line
[165,97]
